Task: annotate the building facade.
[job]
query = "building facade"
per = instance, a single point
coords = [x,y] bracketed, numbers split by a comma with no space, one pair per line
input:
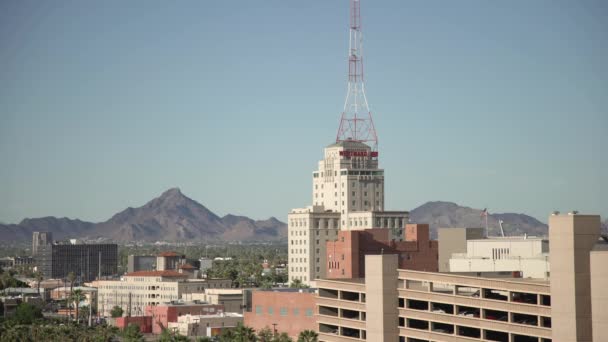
[286,310]
[346,254]
[87,262]
[435,306]
[135,291]
[163,314]
[205,325]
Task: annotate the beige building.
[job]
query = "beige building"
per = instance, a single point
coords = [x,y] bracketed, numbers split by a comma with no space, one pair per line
[360,309]
[205,325]
[135,291]
[451,307]
[572,237]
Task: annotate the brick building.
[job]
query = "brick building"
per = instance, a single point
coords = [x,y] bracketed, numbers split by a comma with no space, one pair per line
[345,256]
[164,314]
[287,310]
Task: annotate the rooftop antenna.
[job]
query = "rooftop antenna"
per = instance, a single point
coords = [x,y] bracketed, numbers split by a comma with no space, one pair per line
[356,123]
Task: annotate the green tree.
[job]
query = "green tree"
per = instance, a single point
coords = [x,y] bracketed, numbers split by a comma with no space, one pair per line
[132,334]
[116,311]
[308,336]
[204,339]
[297,283]
[26,313]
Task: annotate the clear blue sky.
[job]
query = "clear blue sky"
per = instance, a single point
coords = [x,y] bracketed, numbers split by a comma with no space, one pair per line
[106,104]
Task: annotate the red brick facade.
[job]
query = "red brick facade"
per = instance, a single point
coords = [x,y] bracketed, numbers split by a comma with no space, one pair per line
[163,314]
[346,255]
[291,311]
[143,322]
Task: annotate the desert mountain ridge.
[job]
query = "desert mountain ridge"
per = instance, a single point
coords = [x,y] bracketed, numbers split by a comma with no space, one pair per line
[173,216]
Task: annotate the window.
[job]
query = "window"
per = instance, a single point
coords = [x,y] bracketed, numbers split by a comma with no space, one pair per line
[353,202]
[258,309]
[296,312]
[283,312]
[353,193]
[308,313]
[270,310]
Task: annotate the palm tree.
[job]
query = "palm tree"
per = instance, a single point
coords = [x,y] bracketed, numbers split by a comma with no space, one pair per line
[77,297]
[71,279]
[283,337]
[308,336]
[39,278]
[243,333]
[265,335]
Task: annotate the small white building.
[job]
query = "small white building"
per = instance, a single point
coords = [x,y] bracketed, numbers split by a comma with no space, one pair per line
[528,255]
[205,325]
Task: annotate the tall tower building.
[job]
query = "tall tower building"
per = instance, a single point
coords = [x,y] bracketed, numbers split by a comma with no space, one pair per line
[348,186]
[39,240]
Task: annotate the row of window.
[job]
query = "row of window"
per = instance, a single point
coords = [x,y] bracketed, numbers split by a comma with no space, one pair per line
[283,311]
[296,251]
[465,331]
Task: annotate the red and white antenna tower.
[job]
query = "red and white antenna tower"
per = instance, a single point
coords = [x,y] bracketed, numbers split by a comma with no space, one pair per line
[356,123]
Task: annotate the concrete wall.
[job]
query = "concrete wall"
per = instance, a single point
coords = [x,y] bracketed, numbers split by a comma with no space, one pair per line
[381,294]
[572,237]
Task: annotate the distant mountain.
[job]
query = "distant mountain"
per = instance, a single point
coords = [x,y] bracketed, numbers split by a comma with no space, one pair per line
[62,228]
[170,217]
[450,215]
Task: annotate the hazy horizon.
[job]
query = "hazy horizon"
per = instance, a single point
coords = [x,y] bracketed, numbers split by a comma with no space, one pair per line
[105,105]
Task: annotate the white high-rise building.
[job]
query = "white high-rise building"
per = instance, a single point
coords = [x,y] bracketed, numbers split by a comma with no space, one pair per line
[347,194]
[348,187]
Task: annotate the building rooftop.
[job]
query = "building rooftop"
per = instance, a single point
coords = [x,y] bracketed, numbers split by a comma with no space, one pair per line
[186,267]
[168,254]
[289,289]
[224,291]
[350,144]
[82,288]
[166,273]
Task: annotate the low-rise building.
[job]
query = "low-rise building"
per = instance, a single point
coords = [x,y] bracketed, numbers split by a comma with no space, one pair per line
[527,255]
[231,299]
[64,292]
[164,314]
[136,290]
[286,310]
[205,325]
